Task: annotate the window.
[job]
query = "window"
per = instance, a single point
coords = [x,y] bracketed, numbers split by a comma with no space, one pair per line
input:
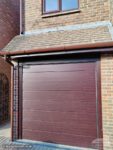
[51,6]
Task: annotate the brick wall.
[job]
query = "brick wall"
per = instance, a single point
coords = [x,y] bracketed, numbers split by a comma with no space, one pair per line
[9,20]
[15,104]
[90,11]
[107,99]
[5,68]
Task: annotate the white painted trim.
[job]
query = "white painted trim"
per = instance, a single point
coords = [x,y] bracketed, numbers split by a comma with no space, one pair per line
[53,145]
[20,16]
[71,27]
[111,31]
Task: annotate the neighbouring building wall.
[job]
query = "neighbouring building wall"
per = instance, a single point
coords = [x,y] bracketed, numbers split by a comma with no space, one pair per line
[5,68]
[107,99]
[90,11]
[9,20]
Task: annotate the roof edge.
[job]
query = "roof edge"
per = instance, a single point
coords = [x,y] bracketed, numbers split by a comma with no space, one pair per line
[59,48]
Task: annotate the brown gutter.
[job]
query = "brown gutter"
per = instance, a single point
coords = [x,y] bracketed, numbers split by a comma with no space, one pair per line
[60,48]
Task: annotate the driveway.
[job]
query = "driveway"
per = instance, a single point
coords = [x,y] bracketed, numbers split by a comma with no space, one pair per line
[6,144]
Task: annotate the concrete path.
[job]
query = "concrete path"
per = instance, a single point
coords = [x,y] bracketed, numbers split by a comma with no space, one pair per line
[5,130]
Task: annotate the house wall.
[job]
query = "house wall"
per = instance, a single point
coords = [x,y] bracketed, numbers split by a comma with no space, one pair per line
[107,99]
[90,11]
[9,20]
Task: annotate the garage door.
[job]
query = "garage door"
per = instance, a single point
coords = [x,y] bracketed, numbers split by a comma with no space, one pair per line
[59,103]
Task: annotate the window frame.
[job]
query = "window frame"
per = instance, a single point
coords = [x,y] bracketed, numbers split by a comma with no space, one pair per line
[59,8]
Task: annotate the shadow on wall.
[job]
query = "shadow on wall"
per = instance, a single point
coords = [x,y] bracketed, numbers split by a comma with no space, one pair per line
[4,99]
[98,144]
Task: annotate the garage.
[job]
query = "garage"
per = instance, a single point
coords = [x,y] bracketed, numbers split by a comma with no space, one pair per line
[60,102]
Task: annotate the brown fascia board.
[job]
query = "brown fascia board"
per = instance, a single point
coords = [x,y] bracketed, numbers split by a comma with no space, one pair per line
[86,47]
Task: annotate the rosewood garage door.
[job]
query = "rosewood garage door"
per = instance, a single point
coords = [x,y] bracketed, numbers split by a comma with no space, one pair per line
[59,103]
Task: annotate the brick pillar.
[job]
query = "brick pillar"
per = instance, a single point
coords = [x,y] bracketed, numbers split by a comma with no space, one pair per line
[107,100]
[15,104]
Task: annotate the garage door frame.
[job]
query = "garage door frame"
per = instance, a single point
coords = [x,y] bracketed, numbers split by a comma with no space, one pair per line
[98,88]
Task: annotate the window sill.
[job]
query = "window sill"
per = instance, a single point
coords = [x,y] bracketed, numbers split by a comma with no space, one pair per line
[60,13]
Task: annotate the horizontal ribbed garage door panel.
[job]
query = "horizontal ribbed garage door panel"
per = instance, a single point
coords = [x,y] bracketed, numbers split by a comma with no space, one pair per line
[57,106]
[60,116]
[78,140]
[60,127]
[59,67]
[59,103]
[53,95]
[50,83]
